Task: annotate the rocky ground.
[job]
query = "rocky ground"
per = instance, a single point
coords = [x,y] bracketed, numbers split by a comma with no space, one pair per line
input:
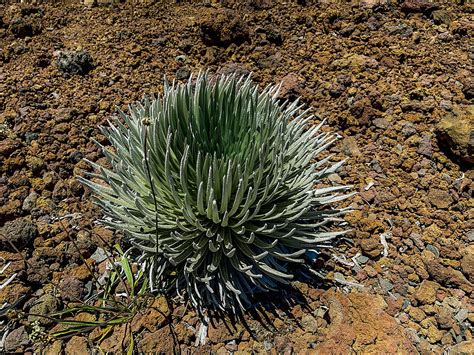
[394,80]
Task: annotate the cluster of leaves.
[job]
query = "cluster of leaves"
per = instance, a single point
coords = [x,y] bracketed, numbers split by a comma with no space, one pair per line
[109,307]
[214,183]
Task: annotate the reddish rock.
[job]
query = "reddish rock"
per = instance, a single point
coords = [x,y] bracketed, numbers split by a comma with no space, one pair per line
[446,276]
[418,6]
[467,262]
[71,289]
[440,198]
[60,191]
[158,342]
[15,261]
[426,293]
[468,89]
[291,87]
[117,341]
[371,246]
[383,102]
[81,272]
[355,61]
[77,346]
[282,345]
[220,333]
[8,146]
[54,348]
[359,323]
[363,113]
[152,317]
[462,27]
[13,292]
[368,195]
[350,147]
[233,68]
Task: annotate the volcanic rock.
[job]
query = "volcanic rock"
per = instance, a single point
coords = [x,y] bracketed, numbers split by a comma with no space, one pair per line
[456,132]
[224,27]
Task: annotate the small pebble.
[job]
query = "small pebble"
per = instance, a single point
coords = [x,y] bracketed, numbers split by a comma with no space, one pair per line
[386,285]
[183,73]
[362,259]
[99,255]
[461,315]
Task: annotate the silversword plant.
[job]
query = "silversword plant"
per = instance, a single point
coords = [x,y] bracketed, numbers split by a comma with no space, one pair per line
[214,183]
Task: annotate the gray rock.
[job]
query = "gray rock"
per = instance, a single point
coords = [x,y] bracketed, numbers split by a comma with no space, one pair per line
[445,37]
[30,201]
[425,147]
[413,335]
[38,270]
[31,136]
[402,30]
[446,105]
[267,344]
[452,302]
[380,122]
[405,304]
[183,73]
[416,238]
[339,277]
[76,156]
[461,315]
[320,312]
[408,129]
[99,255]
[75,62]
[470,235]
[386,285]
[17,340]
[375,165]
[160,41]
[20,232]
